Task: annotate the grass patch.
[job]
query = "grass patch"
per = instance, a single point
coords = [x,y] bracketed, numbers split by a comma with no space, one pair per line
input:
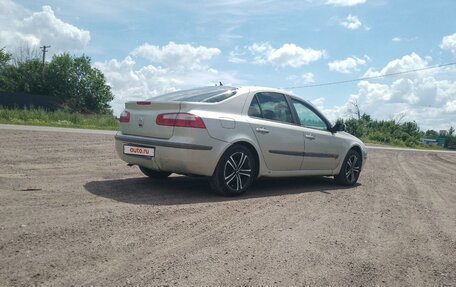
[402,145]
[60,118]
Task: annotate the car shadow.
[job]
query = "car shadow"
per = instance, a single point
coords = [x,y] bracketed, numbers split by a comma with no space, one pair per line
[177,190]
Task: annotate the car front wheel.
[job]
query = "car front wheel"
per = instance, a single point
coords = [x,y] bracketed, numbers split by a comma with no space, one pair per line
[235,171]
[350,170]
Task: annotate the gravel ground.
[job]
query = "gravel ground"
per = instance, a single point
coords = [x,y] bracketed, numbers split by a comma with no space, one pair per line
[71,213]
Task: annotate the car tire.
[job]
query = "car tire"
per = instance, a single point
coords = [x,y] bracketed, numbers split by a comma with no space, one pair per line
[350,170]
[154,174]
[235,171]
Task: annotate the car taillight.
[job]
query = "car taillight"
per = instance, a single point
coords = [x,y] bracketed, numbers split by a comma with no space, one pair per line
[124,117]
[184,120]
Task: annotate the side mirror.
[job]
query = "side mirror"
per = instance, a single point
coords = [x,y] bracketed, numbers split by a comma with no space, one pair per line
[338,127]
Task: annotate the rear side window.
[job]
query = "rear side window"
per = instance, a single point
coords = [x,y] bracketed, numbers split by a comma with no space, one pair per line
[271,106]
[254,109]
[203,95]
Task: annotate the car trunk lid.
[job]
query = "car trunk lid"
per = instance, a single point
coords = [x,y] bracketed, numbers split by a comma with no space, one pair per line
[143,117]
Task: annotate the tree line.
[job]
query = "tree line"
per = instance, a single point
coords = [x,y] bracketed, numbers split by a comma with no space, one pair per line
[392,132]
[83,89]
[71,79]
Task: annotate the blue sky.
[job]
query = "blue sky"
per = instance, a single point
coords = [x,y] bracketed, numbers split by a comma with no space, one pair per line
[150,47]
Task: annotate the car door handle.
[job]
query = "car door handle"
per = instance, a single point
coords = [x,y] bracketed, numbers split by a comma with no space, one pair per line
[310,137]
[262,130]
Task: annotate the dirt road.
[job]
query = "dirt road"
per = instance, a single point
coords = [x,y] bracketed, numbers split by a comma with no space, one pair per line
[71,213]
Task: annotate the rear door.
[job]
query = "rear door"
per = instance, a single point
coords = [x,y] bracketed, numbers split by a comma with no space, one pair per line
[321,147]
[280,139]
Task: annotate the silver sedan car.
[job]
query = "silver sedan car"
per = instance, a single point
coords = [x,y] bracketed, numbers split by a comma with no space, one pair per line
[235,135]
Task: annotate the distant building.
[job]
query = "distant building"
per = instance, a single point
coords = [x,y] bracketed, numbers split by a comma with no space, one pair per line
[441,140]
[429,142]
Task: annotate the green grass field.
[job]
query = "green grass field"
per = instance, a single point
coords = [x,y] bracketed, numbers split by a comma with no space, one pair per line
[403,145]
[40,117]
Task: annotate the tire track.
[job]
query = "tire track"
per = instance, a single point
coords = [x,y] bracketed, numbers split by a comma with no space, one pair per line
[96,222]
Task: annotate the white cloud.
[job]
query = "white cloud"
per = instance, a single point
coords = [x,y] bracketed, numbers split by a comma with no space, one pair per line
[131,81]
[351,22]
[23,28]
[287,55]
[406,63]
[261,52]
[347,65]
[306,78]
[401,39]
[345,2]
[318,102]
[236,56]
[450,107]
[427,97]
[449,43]
[176,55]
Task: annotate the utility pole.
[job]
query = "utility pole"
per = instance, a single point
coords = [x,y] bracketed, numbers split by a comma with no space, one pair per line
[44,48]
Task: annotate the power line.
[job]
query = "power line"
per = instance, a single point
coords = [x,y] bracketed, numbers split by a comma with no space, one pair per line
[373,77]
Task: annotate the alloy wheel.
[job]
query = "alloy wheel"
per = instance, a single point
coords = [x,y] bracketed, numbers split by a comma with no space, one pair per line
[237,171]
[352,168]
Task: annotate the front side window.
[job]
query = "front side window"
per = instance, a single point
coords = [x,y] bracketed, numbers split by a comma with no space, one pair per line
[271,106]
[307,117]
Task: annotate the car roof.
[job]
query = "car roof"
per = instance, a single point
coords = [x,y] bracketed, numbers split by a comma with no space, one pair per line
[193,94]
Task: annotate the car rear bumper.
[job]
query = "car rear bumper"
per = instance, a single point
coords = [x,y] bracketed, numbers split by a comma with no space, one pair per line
[177,154]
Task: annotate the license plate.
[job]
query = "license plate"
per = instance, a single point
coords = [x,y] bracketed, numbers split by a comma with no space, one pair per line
[139,150]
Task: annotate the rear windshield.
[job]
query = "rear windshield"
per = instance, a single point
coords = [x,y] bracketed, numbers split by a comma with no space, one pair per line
[204,95]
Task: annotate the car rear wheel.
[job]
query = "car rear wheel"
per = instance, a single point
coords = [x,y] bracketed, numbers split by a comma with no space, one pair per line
[154,174]
[235,171]
[350,170]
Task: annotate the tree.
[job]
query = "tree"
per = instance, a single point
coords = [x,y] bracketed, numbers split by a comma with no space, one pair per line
[5,57]
[355,127]
[29,77]
[24,54]
[24,77]
[82,87]
[399,117]
[5,69]
[366,118]
[451,131]
[354,108]
[450,142]
[72,79]
[431,134]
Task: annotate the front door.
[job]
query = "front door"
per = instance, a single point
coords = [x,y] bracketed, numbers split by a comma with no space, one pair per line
[321,149]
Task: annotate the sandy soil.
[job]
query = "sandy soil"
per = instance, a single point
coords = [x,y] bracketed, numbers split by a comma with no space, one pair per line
[71,213]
